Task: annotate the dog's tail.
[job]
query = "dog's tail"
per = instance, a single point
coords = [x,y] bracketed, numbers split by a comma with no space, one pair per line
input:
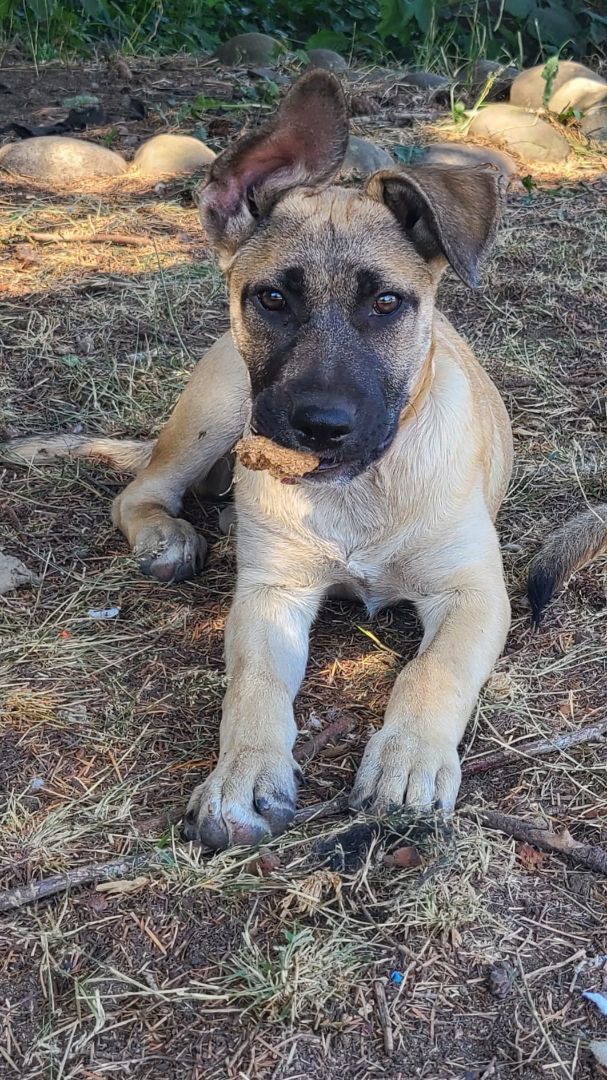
[125,455]
[570,547]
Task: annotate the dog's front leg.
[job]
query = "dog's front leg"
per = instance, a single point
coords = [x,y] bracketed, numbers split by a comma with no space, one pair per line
[251,793]
[413,758]
[204,425]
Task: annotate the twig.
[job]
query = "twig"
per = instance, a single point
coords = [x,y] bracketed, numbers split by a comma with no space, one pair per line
[119,868]
[97,238]
[546,839]
[81,875]
[384,1016]
[329,734]
[535,748]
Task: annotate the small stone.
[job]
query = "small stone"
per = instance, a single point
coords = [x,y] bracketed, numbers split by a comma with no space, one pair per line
[528,88]
[59,158]
[479,71]
[172,155]
[327,59]
[364,157]
[523,132]
[13,574]
[468,155]
[426,80]
[248,50]
[594,124]
[500,979]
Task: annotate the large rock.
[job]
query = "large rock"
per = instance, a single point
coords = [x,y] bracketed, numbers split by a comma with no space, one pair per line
[248,50]
[479,71]
[327,59]
[523,132]
[172,155]
[364,157]
[426,80]
[594,124]
[574,85]
[580,93]
[468,155]
[59,158]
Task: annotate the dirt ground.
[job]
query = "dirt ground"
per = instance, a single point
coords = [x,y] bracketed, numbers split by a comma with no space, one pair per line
[195,966]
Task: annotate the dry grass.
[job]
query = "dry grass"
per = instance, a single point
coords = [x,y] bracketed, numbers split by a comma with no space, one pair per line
[209,969]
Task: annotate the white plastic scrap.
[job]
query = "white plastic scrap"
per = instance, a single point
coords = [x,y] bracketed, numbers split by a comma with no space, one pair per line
[599,1049]
[104,613]
[600,1000]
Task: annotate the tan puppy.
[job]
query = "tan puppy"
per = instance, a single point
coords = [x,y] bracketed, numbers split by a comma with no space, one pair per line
[336,347]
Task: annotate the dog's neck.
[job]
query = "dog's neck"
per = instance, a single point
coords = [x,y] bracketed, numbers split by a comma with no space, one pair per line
[420,390]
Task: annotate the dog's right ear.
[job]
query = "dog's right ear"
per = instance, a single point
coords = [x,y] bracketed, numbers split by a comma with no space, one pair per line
[304,145]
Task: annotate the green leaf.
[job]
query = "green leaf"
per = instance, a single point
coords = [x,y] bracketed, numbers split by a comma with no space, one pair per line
[395,18]
[423,11]
[329,39]
[553,25]
[519,8]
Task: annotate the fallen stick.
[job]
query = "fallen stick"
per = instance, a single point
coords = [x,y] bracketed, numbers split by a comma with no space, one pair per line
[535,748]
[119,868]
[317,743]
[384,1016]
[81,875]
[126,239]
[546,839]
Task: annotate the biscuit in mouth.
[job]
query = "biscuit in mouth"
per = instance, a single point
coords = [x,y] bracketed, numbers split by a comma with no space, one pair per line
[260,454]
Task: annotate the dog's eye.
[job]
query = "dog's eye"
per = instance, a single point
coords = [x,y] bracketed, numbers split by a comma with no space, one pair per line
[386,304]
[272,300]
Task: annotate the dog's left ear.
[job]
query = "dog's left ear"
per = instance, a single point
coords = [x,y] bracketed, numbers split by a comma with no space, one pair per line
[303,145]
[450,213]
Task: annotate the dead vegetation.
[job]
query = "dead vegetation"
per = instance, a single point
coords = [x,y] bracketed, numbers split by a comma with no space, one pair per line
[321,957]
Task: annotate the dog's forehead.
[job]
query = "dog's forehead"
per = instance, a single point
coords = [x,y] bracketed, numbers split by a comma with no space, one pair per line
[329,235]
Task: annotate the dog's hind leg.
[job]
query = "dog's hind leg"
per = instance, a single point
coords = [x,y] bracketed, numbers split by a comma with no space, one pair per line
[208,419]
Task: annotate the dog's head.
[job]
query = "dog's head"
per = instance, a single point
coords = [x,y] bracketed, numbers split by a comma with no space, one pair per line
[332,289]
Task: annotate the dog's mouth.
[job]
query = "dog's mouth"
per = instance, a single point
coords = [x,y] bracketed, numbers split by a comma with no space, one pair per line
[331,470]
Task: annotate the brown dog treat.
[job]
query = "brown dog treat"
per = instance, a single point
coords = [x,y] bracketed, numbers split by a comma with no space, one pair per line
[258,453]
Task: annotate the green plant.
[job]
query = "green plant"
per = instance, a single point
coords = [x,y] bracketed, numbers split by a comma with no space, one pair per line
[549,74]
[427,33]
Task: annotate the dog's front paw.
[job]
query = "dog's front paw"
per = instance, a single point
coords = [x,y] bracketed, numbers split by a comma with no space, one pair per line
[399,766]
[249,797]
[170,551]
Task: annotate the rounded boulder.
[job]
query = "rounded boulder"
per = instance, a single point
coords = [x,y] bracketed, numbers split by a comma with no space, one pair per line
[364,157]
[467,155]
[59,158]
[327,59]
[575,86]
[522,131]
[172,155]
[248,50]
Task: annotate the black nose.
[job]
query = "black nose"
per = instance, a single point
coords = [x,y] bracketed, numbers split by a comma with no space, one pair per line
[322,426]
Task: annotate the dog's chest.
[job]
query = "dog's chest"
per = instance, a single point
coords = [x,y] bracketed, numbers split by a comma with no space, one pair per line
[370,555]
